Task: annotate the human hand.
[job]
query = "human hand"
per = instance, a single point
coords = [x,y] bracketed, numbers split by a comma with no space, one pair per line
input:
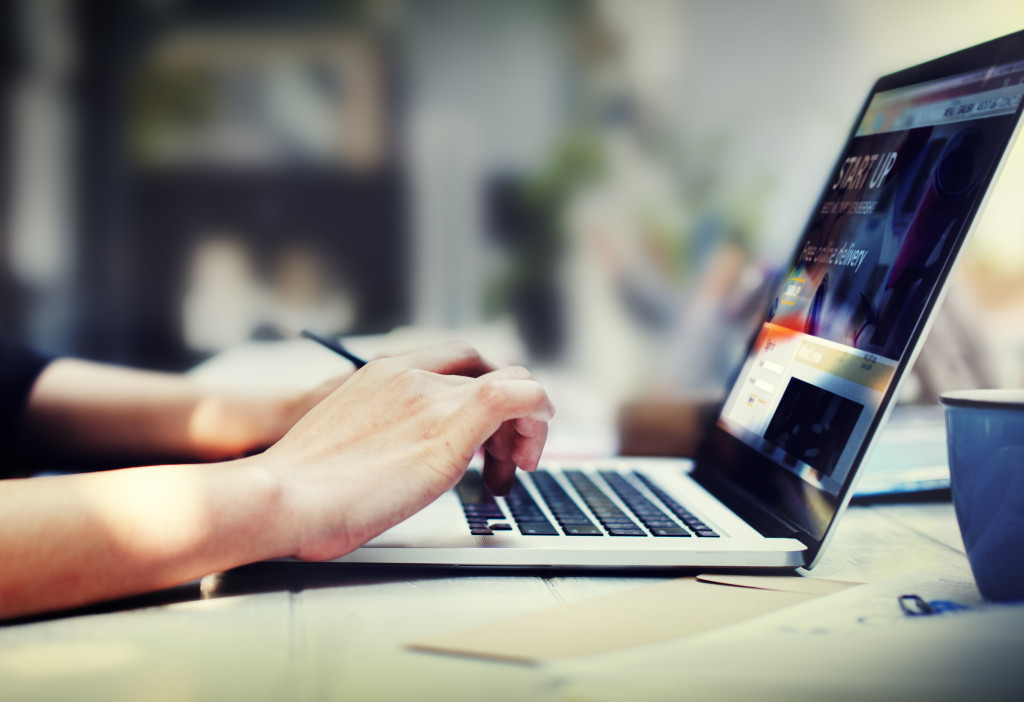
[395,436]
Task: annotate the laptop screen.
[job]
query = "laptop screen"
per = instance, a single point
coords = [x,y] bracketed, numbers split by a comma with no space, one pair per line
[866,274]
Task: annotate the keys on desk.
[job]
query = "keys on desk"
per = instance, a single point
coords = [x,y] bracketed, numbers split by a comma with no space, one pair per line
[485,516]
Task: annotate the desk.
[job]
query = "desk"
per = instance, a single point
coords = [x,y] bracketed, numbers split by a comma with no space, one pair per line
[272,631]
[315,632]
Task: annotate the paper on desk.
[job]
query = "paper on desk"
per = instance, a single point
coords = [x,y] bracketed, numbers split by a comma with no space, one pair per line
[813,587]
[855,644]
[644,615]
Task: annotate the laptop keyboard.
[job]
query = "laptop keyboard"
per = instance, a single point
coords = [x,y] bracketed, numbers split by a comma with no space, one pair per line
[652,516]
[613,519]
[527,514]
[644,518]
[483,514]
[570,517]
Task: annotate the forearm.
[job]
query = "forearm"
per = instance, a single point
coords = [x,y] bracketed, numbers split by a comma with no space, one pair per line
[78,408]
[71,540]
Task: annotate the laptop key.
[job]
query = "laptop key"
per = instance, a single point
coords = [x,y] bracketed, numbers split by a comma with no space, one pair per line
[582,530]
[669,531]
[657,522]
[537,529]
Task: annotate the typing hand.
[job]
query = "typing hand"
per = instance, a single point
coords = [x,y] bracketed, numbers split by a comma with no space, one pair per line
[396,435]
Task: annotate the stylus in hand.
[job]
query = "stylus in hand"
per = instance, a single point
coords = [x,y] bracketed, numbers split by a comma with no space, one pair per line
[335,346]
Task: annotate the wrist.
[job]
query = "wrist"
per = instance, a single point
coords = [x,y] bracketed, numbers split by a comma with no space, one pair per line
[264,526]
[224,426]
[318,510]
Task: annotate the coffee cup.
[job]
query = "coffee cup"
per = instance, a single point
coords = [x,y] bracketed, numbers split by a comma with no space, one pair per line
[985,436]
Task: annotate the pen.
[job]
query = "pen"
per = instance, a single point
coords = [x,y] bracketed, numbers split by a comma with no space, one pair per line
[335,346]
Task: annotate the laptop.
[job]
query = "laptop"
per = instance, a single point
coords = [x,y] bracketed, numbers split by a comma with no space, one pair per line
[778,467]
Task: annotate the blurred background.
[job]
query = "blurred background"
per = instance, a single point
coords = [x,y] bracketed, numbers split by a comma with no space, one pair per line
[613,183]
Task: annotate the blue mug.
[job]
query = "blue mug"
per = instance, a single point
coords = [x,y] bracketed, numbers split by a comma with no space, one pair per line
[985,435]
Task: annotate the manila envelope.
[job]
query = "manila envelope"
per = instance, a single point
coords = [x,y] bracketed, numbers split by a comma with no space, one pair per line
[643,615]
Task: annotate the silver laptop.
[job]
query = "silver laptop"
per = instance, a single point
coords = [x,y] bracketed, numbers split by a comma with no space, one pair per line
[777,468]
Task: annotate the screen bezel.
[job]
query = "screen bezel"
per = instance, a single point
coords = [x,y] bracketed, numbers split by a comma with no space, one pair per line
[768,494]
